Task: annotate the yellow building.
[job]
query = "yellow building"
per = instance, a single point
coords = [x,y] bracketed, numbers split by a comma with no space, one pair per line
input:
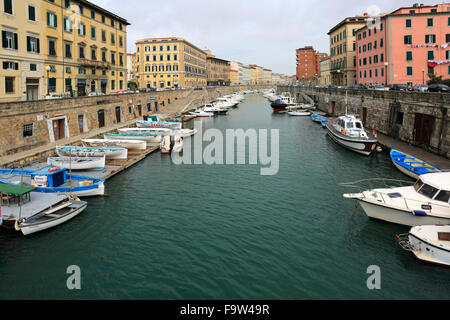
[343,50]
[84,48]
[325,71]
[21,58]
[169,62]
[234,72]
[256,74]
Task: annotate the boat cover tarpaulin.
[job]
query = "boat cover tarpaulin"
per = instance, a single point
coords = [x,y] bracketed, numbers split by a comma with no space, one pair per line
[16,190]
[39,202]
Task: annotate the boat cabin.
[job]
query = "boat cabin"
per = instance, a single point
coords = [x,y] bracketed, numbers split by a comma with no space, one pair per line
[49,177]
[435,186]
[351,126]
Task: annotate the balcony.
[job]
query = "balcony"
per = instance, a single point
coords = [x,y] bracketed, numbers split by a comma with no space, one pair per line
[94,64]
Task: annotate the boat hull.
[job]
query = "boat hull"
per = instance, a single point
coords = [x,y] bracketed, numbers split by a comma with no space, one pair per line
[399,216]
[119,154]
[77,163]
[38,227]
[114,143]
[362,147]
[426,251]
[410,165]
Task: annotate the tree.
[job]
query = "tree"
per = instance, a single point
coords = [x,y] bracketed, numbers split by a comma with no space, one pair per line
[132,85]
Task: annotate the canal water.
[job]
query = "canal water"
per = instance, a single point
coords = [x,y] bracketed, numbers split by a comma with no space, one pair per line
[167,231]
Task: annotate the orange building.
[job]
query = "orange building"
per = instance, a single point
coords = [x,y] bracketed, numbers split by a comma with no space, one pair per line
[405,47]
[308,64]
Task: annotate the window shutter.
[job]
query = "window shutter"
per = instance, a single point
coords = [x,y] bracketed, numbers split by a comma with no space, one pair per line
[16,42]
[28,43]
[16,66]
[38,45]
[4,39]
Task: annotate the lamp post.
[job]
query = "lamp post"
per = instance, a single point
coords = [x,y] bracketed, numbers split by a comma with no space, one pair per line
[423,76]
[386,64]
[47,68]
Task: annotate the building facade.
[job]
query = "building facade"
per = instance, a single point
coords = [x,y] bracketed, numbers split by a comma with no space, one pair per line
[256,74]
[21,57]
[234,72]
[217,71]
[169,62]
[131,67]
[267,76]
[244,74]
[308,68]
[343,50]
[325,71]
[84,48]
[406,46]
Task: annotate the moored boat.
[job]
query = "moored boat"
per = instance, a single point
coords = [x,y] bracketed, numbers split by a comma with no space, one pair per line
[158,124]
[166,145]
[349,132]
[428,243]
[113,143]
[109,153]
[142,137]
[54,180]
[424,203]
[203,114]
[411,165]
[299,113]
[77,163]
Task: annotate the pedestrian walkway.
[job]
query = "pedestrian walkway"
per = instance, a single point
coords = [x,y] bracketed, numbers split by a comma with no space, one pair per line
[437,160]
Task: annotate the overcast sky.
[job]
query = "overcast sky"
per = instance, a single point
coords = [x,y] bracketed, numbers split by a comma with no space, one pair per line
[262,32]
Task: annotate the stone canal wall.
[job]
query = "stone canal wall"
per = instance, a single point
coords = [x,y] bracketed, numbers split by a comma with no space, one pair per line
[32,124]
[420,119]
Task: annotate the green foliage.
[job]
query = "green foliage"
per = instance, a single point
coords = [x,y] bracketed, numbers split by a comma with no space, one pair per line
[132,85]
[438,80]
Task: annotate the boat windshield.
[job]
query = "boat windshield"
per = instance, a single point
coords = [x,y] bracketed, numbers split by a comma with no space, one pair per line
[350,125]
[418,185]
[428,191]
[358,125]
[443,196]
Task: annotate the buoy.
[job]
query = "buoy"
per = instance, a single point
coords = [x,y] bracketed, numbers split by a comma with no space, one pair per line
[343,132]
[379,149]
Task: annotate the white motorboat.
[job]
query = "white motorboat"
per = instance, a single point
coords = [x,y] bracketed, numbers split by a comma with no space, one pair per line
[110,153]
[299,113]
[223,103]
[428,243]
[202,114]
[213,109]
[113,143]
[178,144]
[157,131]
[141,137]
[349,132]
[425,203]
[77,163]
[166,145]
[52,216]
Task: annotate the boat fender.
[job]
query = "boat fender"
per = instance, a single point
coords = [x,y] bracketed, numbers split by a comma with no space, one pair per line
[343,132]
[54,169]
[419,213]
[16,224]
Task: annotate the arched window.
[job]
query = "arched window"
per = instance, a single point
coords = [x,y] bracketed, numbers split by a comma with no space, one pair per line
[168,67]
[154,68]
[161,67]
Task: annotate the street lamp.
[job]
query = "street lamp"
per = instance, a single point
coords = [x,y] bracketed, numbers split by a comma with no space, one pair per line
[386,64]
[423,76]
[47,68]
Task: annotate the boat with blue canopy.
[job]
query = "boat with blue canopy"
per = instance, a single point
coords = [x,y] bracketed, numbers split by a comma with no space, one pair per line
[53,180]
[411,165]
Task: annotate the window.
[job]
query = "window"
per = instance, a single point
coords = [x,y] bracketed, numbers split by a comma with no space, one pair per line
[7,6]
[68,24]
[52,20]
[92,14]
[409,71]
[51,48]
[8,65]
[31,13]
[430,38]
[82,29]
[93,33]
[82,56]
[408,23]
[408,55]
[113,38]
[103,35]
[33,67]
[447,54]
[9,84]
[33,44]
[9,40]
[399,119]
[443,196]
[430,55]
[27,130]
[408,39]
[93,54]
[447,38]
[428,191]
[429,22]
[68,50]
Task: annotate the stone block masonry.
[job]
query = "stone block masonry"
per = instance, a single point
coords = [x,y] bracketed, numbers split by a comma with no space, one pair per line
[420,119]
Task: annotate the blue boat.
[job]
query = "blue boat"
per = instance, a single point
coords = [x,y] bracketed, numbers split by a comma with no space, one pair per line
[54,180]
[411,165]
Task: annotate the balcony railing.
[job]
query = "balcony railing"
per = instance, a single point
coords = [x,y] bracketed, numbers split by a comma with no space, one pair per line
[94,64]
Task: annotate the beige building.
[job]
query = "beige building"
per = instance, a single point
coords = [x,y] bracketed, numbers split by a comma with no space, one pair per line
[256,74]
[343,50]
[21,52]
[84,48]
[169,62]
[217,71]
[131,67]
[234,72]
[267,76]
[325,71]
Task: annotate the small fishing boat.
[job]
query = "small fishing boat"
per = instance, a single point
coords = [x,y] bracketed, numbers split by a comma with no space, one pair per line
[299,113]
[54,180]
[316,118]
[166,145]
[52,216]
[178,144]
[202,114]
[186,132]
[77,163]
[31,212]
[427,202]
[142,137]
[110,153]
[112,143]
[411,165]
[428,243]
[157,131]
[158,124]
[324,122]
[349,132]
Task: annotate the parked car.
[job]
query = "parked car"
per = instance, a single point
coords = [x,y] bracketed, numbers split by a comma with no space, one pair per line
[380,87]
[438,88]
[53,96]
[96,94]
[399,87]
[420,88]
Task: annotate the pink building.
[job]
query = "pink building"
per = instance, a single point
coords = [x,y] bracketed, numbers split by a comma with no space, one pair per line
[405,46]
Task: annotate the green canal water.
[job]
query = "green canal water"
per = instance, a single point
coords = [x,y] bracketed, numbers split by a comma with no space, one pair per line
[226,232]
